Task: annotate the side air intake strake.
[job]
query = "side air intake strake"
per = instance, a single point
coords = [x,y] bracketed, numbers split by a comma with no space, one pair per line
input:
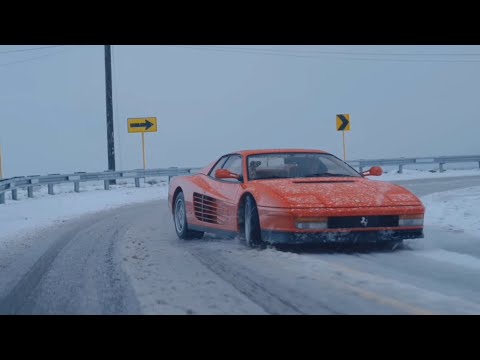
[206,209]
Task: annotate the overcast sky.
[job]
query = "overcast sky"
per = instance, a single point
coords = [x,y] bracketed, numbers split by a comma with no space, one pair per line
[214,100]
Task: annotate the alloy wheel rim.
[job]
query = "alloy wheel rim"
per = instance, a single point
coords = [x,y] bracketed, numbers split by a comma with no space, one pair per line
[179,215]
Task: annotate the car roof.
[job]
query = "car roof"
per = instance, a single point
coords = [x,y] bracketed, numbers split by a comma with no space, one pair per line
[276,151]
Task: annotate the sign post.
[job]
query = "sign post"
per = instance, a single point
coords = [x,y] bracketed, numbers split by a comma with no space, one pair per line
[343,124]
[143,151]
[142,125]
[1,168]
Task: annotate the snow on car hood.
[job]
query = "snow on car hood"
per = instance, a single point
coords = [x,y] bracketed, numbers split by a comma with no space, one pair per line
[331,193]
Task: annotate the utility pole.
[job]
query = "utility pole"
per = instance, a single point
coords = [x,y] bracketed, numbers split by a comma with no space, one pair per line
[108,88]
[1,168]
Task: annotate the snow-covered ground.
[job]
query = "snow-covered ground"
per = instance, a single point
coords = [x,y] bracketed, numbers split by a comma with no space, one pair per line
[457,210]
[166,276]
[408,174]
[19,217]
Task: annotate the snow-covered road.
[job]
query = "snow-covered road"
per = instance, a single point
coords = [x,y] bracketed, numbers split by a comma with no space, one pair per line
[128,260]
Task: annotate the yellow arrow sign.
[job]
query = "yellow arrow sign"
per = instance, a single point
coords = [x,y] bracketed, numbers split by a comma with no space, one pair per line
[142,125]
[343,122]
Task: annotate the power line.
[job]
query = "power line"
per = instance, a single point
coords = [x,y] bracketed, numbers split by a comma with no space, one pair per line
[33,58]
[31,49]
[263,52]
[310,51]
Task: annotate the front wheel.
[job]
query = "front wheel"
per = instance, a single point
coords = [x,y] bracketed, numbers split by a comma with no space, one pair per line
[253,234]
[180,220]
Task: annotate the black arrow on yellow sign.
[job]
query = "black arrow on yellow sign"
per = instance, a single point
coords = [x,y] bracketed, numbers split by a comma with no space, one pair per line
[345,122]
[147,125]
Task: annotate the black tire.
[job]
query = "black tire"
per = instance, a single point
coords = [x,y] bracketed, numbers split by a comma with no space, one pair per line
[180,220]
[253,234]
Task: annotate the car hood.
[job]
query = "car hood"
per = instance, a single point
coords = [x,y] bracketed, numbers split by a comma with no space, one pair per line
[330,193]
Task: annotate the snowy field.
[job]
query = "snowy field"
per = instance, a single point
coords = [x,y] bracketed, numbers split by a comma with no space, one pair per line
[393,175]
[43,210]
[457,210]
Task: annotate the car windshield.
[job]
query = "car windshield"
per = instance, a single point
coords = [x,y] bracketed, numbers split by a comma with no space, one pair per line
[297,165]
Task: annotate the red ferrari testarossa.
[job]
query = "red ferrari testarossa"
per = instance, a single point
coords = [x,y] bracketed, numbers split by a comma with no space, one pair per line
[287,196]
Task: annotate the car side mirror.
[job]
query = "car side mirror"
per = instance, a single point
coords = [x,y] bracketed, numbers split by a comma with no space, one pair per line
[374,171]
[226,174]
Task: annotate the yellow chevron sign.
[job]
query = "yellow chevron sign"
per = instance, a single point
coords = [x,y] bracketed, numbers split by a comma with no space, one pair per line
[343,122]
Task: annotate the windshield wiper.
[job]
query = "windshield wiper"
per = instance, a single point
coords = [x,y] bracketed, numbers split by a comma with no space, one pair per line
[327,175]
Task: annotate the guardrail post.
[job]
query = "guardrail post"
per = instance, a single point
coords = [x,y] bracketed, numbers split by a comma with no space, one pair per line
[50,189]
[400,169]
[441,167]
[479,164]
[360,169]
[2,198]
[14,194]
[137,182]
[30,191]
[76,186]
[106,184]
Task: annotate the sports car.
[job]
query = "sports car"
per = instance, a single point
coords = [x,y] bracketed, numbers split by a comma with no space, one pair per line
[292,196]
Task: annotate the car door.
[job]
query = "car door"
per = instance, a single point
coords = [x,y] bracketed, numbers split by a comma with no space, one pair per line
[218,207]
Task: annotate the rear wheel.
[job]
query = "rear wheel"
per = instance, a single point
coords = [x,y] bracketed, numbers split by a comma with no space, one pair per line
[180,220]
[253,234]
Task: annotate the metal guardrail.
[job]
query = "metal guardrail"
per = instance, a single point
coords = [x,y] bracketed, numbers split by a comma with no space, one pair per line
[28,182]
[400,162]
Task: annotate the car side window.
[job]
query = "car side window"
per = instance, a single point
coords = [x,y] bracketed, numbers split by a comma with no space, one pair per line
[234,164]
[218,165]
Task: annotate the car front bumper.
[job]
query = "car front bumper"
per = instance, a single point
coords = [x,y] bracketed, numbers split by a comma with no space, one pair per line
[353,237]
